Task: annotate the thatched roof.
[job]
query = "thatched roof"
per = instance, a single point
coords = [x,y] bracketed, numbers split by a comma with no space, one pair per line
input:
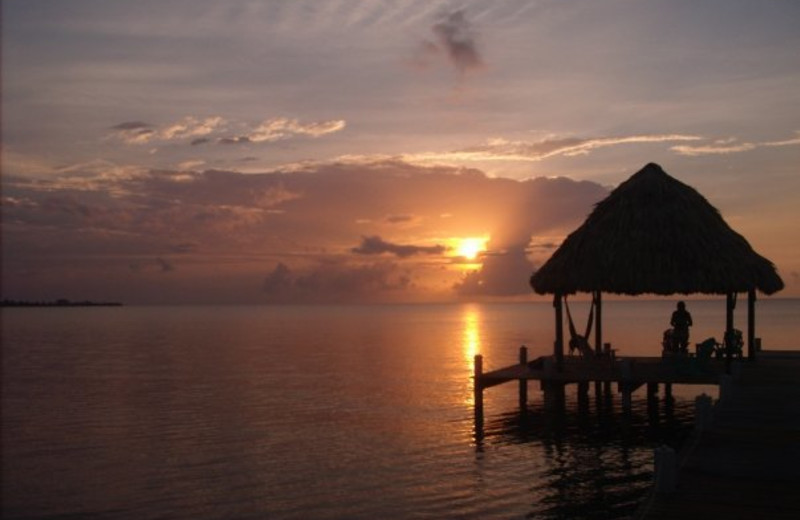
[654,234]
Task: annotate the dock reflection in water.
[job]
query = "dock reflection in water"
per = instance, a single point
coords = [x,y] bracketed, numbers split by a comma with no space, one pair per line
[591,459]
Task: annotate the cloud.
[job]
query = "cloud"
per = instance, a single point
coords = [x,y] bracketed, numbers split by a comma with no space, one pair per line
[134,132]
[400,219]
[227,225]
[200,131]
[455,35]
[158,264]
[455,39]
[786,142]
[503,273]
[375,245]
[712,149]
[165,265]
[139,132]
[131,125]
[191,164]
[191,127]
[335,282]
[278,129]
[500,149]
[727,146]
[242,139]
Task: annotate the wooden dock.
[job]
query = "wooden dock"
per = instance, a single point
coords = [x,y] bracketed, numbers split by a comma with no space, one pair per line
[743,461]
[746,463]
[641,370]
[629,374]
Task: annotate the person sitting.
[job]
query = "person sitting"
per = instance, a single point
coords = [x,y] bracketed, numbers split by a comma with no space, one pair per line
[681,321]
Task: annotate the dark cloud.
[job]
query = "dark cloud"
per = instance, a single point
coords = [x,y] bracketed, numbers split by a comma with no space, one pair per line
[67,205]
[131,125]
[375,245]
[242,139]
[185,247]
[335,282]
[156,264]
[398,219]
[548,246]
[165,265]
[225,225]
[199,141]
[455,35]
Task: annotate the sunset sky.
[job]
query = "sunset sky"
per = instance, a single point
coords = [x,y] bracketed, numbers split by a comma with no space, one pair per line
[164,151]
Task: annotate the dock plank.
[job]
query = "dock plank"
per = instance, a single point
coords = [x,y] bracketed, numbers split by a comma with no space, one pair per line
[747,465]
[642,370]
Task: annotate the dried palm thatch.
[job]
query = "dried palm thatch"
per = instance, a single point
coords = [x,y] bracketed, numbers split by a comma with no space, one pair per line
[654,234]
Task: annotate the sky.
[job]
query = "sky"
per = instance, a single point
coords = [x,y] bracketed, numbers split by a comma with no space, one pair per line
[195,151]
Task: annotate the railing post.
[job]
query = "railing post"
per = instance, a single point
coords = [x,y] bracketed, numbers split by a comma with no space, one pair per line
[523,382]
[559,343]
[478,390]
[751,324]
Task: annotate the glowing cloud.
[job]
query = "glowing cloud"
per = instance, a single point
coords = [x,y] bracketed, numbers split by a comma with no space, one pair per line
[199,130]
[499,149]
[727,146]
[277,129]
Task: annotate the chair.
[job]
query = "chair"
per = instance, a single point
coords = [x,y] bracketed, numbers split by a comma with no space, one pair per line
[733,343]
[706,348]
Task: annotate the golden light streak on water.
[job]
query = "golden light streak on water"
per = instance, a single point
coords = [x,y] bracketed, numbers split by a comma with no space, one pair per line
[471,340]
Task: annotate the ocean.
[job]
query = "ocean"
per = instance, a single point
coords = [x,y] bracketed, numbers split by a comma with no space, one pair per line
[326,412]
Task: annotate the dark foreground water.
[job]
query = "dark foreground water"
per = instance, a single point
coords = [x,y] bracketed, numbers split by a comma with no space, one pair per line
[320,413]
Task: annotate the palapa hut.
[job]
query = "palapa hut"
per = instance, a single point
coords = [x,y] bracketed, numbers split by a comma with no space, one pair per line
[655,234]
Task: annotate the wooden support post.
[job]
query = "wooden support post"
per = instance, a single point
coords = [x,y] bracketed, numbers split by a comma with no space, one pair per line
[553,395]
[583,394]
[559,344]
[730,305]
[478,391]
[669,402]
[626,399]
[626,387]
[652,401]
[751,325]
[523,383]
[598,323]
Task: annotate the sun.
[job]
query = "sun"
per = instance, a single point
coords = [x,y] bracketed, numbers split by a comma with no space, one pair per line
[471,247]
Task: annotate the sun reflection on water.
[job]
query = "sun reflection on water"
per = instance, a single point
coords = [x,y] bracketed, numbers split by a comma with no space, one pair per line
[471,336]
[471,319]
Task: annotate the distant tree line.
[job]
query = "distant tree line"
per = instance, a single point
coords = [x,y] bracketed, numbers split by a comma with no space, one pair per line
[62,302]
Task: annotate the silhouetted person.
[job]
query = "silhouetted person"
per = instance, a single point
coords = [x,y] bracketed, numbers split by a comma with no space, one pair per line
[681,321]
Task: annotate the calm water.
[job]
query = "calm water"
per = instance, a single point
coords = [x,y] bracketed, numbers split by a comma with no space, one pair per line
[321,412]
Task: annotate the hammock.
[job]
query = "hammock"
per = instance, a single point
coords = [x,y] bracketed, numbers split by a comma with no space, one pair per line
[576,341]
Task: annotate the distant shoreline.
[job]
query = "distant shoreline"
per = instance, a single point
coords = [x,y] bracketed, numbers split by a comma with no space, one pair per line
[58,303]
